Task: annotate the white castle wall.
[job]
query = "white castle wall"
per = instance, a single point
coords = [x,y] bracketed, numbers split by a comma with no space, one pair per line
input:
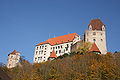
[97,36]
[13,60]
[42,52]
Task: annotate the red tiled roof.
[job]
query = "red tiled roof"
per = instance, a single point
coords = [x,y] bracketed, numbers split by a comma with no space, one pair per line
[45,42]
[96,24]
[14,52]
[109,52]
[60,39]
[53,54]
[94,48]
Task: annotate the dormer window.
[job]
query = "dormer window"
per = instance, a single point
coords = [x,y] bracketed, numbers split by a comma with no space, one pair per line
[103,27]
[90,27]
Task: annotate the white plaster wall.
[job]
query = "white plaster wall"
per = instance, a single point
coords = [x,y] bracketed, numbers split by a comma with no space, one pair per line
[49,49]
[41,53]
[13,60]
[100,38]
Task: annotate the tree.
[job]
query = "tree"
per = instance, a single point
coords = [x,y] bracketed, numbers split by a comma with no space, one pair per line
[84,48]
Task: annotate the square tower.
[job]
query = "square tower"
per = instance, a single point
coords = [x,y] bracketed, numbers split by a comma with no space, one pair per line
[96,34]
[13,59]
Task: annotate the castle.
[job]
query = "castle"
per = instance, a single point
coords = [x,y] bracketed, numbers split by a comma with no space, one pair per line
[57,46]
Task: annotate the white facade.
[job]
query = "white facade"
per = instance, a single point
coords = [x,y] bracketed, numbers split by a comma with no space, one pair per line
[97,36]
[42,52]
[13,59]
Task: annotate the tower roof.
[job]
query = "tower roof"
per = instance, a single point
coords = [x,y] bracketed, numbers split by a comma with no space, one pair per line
[94,48]
[14,52]
[60,39]
[96,24]
[53,54]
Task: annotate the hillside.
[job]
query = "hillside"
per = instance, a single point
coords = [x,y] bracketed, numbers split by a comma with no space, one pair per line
[3,75]
[75,67]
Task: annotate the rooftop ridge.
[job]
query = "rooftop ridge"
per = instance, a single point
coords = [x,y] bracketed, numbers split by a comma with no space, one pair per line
[59,39]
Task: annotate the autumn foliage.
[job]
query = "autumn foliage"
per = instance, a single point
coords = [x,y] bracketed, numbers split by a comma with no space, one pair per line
[72,67]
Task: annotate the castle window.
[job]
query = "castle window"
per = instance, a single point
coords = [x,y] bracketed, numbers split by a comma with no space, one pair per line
[56,47]
[67,45]
[36,52]
[94,40]
[35,59]
[90,27]
[59,51]
[11,56]
[101,39]
[66,48]
[103,27]
[39,52]
[38,58]
[101,33]
[42,47]
[94,33]
[37,48]
[56,52]
[61,46]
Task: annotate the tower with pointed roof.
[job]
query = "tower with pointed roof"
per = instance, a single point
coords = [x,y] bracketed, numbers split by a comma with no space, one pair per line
[94,49]
[13,59]
[52,55]
[96,33]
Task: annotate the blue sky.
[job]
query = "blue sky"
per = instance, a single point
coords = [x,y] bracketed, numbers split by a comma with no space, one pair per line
[25,23]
